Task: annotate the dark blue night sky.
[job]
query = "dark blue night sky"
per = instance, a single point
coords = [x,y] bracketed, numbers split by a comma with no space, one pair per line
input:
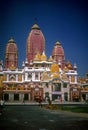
[65,21]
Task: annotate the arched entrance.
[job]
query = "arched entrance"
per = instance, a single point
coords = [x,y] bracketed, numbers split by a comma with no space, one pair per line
[36,93]
[26,96]
[6,96]
[66,96]
[16,97]
[84,96]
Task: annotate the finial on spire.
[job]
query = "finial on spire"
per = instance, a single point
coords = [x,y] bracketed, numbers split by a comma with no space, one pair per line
[35,20]
[75,66]
[11,40]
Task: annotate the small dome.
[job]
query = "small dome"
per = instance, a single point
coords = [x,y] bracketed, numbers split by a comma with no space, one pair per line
[65,69]
[11,41]
[58,43]
[37,57]
[50,59]
[69,65]
[43,57]
[12,67]
[35,26]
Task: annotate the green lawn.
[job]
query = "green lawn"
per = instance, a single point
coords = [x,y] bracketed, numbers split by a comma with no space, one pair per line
[76,109]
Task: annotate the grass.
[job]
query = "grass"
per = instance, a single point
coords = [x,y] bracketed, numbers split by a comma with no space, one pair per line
[75,109]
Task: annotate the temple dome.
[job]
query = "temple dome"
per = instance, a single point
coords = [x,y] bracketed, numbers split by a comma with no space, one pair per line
[43,57]
[35,26]
[69,65]
[37,57]
[50,59]
[11,41]
[12,67]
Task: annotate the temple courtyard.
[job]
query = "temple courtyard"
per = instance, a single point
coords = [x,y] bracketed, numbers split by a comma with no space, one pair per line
[35,117]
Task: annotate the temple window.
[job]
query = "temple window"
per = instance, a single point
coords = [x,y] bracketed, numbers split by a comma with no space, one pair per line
[64,85]
[66,96]
[12,78]
[36,76]
[47,85]
[57,87]
[29,76]
[36,65]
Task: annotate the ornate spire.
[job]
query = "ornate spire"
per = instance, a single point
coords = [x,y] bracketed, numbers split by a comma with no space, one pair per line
[35,43]
[35,26]
[11,40]
[75,66]
[11,55]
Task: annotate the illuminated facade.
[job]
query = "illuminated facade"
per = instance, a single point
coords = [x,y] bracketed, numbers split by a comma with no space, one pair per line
[39,76]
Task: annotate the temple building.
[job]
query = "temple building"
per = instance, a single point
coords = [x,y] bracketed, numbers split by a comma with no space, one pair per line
[40,76]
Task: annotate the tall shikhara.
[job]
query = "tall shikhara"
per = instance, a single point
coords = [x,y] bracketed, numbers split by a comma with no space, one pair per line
[11,54]
[58,54]
[35,43]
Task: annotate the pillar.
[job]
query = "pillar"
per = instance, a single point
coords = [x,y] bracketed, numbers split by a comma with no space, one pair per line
[50,92]
[11,97]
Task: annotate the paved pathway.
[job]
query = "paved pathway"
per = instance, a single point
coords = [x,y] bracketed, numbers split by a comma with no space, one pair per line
[27,117]
[36,103]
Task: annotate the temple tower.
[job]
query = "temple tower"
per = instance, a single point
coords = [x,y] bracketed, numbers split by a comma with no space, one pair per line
[11,54]
[58,54]
[35,43]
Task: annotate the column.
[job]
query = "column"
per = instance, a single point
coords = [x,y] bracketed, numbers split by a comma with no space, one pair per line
[75,79]
[62,96]
[50,92]
[87,96]
[11,97]
[29,96]
[7,77]
[43,86]
[22,77]
[16,77]
[33,76]
[21,96]
[26,76]
[68,91]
